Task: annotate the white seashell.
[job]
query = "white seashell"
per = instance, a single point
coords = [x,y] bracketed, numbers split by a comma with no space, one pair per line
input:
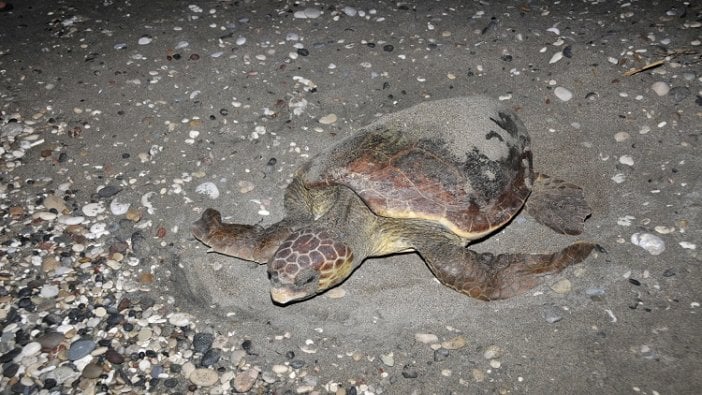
[208,188]
[117,208]
[649,242]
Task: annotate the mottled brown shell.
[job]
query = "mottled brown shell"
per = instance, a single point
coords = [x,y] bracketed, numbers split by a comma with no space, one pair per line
[465,164]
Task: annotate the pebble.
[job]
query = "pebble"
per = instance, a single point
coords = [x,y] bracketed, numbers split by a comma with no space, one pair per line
[426,338]
[80,348]
[204,377]
[328,119]
[118,208]
[661,88]
[144,40]
[49,291]
[336,293]
[208,189]
[680,93]
[109,191]
[552,314]
[309,12]
[562,93]
[349,11]
[562,286]
[455,343]
[179,319]
[202,342]
[50,340]
[211,357]
[388,359]
[30,349]
[492,352]
[245,380]
[93,209]
[649,242]
[621,136]
[92,371]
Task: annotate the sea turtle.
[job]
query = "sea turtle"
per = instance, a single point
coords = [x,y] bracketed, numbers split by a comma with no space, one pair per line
[430,179]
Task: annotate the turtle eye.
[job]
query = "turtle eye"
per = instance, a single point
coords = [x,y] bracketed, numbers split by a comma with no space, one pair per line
[305,278]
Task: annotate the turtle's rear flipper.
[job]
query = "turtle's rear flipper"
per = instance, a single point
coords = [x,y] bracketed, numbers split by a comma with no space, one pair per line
[490,277]
[250,242]
[558,204]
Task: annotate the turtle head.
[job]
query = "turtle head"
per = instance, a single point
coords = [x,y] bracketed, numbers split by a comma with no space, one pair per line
[308,262]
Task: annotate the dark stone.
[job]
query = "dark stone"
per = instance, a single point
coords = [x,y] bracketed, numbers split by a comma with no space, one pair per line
[10,370]
[297,364]
[109,191]
[388,48]
[202,342]
[409,372]
[303,52]
[247,345]
[440,354]
[114,357]
[80,348]
[211,357]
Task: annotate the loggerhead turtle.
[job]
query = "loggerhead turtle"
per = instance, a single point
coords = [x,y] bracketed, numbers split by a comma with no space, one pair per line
[411,182]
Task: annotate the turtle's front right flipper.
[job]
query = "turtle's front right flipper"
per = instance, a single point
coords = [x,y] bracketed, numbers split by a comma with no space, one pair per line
[250,242]
[558,204]
[490,277]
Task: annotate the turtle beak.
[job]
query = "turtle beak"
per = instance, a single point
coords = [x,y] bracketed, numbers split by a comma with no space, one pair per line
[283,295]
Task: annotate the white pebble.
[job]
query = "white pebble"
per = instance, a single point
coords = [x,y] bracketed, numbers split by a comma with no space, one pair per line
[661,88]
[292,37]
[145,40]
[349,11]
[93,209]
[619,178]
[626,160]
[32,348]
[312,12]
[562,93]
[66,220]
[209,189]
[179,319]
[687,245]
[241,40]
[117,208]
[45,215]
[328,119]
[48,291]
[621,136]
[649,242]
[426,338]
[556,57]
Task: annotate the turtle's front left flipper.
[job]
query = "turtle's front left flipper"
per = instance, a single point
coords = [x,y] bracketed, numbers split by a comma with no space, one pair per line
[490,277]
[250,242]
[558,204]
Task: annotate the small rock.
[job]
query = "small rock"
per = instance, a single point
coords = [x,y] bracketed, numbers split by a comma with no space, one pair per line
[562,93]
[328,119]
[211,357]
[92,371]
[336,293]
[455,343]
[680,93]
[312,12]
[388,359]
[621,136]
[49,291]
[492,352]
[204,377]
[661,88]
[109,191]
[440,354]
[649,242]
[114,357]
[552,314]
[562,286]
[426,338]
[93,209]
[118,208]
[208,189]
[245,380]
[349,11]
[202,342]
[409,372]
[144,40]
[50,340]
[80,348]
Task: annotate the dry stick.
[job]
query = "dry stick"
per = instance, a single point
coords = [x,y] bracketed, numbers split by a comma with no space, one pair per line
[644,68]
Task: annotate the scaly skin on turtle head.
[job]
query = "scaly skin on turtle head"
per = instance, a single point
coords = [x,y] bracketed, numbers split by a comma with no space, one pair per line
[309,262]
